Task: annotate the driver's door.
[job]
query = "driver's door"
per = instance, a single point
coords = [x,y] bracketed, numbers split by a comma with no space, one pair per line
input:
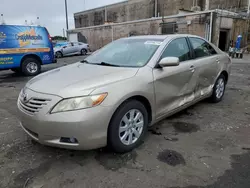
[68,49]
[175,86]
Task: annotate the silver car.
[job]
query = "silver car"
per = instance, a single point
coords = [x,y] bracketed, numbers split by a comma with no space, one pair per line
[71,48]
[115,94]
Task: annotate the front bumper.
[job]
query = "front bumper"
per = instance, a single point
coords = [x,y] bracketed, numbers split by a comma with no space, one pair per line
[88,126]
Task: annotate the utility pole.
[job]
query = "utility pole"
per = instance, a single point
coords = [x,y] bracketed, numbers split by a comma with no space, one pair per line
[156,8]
[66,12]
[248,9]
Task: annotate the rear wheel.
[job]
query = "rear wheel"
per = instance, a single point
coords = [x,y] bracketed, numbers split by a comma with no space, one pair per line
[83,52]
[219,89]
[31,67]
[127,127]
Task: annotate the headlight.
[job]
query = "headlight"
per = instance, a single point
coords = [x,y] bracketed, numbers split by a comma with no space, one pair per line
[78,103]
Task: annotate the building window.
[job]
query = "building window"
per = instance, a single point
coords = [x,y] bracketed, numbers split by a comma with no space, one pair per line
[169,28]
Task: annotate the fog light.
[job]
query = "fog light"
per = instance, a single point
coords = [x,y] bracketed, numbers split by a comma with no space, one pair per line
[69,140]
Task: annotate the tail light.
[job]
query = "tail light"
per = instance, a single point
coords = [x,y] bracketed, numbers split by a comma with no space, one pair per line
[50,37]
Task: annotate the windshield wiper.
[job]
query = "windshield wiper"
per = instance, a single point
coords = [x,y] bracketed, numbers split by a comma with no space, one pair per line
[108,64]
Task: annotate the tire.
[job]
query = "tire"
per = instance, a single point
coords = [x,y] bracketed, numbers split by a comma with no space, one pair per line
[84,51]
[17,70]
[115,142]
[31,67]
[59,55]
[218,95]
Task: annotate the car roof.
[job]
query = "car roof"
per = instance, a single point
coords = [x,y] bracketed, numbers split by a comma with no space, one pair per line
[161,37]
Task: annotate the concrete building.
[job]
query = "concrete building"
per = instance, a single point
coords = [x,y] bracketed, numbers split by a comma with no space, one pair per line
[142,9]
[143,17]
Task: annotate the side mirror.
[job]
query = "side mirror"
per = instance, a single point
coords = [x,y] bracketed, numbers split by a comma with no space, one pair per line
[169,62]
[65,47]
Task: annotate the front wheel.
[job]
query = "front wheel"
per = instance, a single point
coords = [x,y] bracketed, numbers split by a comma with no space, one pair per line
[127,127]
[219,89]
[59,55]
[31,67]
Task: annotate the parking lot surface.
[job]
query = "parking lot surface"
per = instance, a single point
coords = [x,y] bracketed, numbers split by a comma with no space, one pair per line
[205,146]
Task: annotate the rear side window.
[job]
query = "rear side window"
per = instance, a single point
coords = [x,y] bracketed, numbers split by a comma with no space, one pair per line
[177,48]
[202,48]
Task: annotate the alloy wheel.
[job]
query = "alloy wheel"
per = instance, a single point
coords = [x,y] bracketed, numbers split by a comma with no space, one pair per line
[131,127]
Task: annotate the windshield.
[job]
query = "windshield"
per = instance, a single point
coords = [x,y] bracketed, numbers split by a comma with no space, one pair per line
[60,44]
[126,53]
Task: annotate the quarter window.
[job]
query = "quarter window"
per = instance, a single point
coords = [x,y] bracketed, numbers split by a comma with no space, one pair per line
[178,48]
[202,48]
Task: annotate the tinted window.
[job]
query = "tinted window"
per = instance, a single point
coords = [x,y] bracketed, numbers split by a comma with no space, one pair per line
[202,48]
[178,48]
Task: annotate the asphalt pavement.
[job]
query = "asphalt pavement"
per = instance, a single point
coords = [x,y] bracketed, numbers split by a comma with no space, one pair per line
[205,146]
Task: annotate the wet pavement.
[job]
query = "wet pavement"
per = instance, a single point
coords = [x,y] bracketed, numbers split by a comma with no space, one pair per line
[205,146]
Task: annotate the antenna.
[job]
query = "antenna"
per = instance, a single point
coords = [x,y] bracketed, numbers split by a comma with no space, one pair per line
[38,21]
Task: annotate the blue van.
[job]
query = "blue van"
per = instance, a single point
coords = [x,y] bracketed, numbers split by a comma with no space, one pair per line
[24,49]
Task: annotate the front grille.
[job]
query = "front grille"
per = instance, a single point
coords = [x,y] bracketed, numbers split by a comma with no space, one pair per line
[34,105]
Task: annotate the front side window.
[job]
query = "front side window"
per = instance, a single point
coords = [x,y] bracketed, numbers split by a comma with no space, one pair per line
[201,48]
[126,52]
[177,48]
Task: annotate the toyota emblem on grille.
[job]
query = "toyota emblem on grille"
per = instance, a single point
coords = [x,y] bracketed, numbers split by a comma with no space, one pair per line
[25,97]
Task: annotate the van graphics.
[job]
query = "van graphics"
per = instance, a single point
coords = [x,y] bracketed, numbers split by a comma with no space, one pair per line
[2,37]
[23,39]
[27,37]
[17,41]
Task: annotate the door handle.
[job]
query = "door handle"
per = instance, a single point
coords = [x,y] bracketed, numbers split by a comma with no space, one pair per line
[192,69]
[218,60]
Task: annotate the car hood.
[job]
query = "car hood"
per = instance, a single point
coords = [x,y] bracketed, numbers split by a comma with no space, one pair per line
[78,79]
[57,48]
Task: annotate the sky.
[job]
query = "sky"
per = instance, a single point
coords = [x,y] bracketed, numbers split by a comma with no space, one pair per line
[51,13]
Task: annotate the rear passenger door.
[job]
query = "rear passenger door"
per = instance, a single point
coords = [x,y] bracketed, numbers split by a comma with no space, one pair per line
[207,65]
[76,48]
